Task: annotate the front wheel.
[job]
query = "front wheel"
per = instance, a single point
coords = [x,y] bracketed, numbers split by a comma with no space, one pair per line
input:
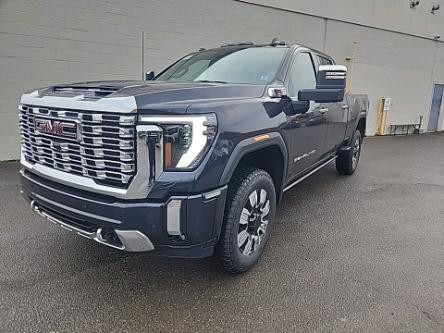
[347,162]
[250,209]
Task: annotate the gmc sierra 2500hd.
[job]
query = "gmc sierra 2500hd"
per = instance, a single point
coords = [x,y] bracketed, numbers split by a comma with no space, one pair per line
[193,161]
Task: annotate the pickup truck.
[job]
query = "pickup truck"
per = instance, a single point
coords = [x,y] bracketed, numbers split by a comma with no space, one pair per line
[191,162]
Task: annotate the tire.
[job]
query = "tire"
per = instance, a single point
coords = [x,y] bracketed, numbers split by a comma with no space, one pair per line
[248,220]
[347,161]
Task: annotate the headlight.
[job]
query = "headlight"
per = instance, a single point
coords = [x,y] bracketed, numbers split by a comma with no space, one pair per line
[186,139]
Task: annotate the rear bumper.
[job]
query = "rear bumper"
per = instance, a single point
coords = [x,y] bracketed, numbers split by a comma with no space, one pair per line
[181,226]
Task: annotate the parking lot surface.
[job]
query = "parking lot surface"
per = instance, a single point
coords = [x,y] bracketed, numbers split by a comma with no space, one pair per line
[348,254]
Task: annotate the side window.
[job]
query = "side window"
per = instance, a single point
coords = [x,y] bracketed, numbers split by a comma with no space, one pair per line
[324,61]
[302,74]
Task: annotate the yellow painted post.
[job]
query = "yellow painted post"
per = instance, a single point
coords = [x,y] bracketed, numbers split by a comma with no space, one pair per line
[381,119]
[352,67]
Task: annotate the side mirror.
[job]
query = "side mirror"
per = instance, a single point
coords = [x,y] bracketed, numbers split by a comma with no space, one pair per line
[150,76]
[331,77]
[330,85]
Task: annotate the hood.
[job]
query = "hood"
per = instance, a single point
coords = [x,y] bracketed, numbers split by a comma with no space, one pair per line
[157,97]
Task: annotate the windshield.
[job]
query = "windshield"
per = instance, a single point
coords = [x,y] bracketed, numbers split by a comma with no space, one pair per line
[254,65]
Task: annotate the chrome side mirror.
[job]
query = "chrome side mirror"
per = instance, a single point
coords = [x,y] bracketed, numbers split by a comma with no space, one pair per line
[331,77]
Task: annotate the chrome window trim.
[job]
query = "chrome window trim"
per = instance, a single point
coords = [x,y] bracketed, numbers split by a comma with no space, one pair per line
[137,189]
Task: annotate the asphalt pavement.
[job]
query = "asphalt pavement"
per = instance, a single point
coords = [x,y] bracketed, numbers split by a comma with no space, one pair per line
[348,254]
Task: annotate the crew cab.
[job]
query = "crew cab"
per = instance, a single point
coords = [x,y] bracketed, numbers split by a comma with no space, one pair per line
[193,161]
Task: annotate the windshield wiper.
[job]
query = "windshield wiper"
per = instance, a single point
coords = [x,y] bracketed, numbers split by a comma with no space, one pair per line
[210,81]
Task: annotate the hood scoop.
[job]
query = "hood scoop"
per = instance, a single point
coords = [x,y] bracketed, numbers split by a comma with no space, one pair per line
[89,93]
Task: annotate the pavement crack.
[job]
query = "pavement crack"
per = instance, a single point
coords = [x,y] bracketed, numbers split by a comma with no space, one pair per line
[428,315]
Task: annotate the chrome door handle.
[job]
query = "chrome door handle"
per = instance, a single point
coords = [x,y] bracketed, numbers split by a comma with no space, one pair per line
[323,110]
[344,106]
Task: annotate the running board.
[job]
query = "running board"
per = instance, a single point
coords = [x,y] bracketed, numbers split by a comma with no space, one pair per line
[309,174]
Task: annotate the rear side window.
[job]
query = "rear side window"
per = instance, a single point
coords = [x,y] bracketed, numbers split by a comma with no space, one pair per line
[302,74]
[324,61]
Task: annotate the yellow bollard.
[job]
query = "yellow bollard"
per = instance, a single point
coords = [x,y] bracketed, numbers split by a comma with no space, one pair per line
[381,119]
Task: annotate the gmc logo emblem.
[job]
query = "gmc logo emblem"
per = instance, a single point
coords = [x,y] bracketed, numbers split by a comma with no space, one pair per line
[56,128]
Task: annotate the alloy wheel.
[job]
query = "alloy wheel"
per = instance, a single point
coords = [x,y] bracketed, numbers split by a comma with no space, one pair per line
[356,152]
[253,222]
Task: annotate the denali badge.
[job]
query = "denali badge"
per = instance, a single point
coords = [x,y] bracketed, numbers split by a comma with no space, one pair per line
[64,129]
[297,159]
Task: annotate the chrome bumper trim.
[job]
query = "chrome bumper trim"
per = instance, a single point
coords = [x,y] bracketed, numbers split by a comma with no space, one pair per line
[174,208]
[138,188]
[132,240]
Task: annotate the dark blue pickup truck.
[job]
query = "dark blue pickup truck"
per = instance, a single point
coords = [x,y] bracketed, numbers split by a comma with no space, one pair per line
[193,161]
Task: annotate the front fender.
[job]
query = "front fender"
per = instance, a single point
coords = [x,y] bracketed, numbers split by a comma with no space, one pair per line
[248,146]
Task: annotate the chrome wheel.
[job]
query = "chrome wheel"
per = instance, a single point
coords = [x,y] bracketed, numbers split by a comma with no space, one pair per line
[253,222]
[356,153]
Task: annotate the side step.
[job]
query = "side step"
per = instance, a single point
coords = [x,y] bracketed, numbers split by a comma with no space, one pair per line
[297,181]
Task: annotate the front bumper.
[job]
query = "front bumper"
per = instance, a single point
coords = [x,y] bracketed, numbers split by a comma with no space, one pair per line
[181,226]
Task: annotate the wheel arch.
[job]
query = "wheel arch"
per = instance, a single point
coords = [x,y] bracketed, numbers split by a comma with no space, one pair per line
[362,124]
[270,155]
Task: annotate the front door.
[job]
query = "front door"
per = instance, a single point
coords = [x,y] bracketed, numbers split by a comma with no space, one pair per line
[306,128]
[436,107]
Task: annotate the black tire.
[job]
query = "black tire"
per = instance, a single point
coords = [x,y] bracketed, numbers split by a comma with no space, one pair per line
[245,183]
[347,161]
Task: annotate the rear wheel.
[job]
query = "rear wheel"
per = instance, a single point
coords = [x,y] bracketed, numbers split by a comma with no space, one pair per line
[250,209]
[347,161]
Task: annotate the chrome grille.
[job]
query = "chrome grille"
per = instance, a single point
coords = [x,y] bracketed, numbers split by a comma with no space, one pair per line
[105,150]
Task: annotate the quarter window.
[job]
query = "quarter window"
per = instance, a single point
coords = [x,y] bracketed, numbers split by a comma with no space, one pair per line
[324,61]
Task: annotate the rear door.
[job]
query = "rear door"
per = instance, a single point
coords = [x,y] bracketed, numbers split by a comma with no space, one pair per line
[305,129]
[336,115]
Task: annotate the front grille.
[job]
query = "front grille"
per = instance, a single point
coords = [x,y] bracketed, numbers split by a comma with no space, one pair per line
[104,149]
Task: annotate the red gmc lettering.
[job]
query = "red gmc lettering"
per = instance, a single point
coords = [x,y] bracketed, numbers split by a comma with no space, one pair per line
[54,127]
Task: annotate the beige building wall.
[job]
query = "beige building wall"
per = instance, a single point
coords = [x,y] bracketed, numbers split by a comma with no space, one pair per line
[395,15]
[45,42]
